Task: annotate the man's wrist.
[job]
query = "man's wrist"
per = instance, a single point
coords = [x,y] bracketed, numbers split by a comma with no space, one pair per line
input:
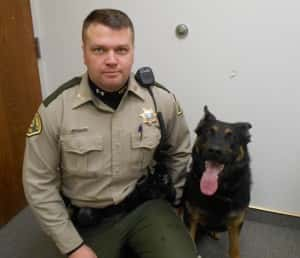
[75,249]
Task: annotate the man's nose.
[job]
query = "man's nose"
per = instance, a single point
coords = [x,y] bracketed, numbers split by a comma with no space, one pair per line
[111,57]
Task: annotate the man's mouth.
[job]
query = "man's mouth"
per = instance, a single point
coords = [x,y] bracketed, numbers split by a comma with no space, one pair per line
[209,179]
[111,72]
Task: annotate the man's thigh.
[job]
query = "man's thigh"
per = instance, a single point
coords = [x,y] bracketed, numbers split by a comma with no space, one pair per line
[157,232]
[153,230]
[105,239]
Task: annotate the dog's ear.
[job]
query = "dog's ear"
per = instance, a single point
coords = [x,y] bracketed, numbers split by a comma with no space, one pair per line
[243,129]
[208,116]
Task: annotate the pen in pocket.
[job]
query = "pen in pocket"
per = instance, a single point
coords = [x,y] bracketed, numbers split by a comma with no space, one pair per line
[140,131]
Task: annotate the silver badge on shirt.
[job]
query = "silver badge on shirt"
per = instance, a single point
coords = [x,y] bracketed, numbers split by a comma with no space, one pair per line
[149,116]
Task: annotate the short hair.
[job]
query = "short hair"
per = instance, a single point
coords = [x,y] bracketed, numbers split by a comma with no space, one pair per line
[112,18]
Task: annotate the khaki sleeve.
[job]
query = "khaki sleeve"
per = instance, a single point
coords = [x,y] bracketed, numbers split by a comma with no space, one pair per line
[41,180]
[178,141]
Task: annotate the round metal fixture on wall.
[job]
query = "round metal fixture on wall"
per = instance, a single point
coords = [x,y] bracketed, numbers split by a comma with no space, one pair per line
[182,30]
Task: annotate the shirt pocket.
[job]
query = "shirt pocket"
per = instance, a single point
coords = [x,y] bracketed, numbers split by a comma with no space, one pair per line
[82,155]
[144,145]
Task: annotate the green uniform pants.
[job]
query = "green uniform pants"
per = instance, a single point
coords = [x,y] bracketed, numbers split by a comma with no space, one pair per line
[153,230]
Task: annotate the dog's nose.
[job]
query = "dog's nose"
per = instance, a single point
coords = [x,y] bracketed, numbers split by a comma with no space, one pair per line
[215,150]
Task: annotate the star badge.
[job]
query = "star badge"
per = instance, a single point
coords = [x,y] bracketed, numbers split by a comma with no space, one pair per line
[149,116]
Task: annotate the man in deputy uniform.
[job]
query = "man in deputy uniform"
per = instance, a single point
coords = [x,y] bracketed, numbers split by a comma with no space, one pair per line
[93,140]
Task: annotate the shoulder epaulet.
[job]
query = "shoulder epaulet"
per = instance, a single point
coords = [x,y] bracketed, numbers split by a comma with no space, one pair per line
[61,89]
[157,84]
[178,108]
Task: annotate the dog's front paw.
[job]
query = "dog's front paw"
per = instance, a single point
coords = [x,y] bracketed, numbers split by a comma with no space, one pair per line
[214,235]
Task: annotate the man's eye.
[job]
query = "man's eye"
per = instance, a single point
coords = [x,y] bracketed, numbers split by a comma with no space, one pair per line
[98,50]
[122,51]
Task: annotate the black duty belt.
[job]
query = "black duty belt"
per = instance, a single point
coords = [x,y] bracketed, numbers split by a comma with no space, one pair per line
[86,216]
[152,186]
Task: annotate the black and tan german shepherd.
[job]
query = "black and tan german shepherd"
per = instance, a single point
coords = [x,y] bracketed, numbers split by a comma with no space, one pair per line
[217,190]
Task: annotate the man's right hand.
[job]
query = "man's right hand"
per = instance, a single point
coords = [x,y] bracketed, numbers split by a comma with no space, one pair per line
[83,252]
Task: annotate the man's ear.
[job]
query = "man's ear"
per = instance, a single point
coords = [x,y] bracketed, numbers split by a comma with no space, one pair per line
[83,52]
[208,116]
[243,130]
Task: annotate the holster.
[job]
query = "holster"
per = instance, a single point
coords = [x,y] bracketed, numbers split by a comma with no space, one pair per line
[156,186]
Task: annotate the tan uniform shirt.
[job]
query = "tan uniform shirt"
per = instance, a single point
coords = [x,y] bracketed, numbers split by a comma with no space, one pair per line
[94,154]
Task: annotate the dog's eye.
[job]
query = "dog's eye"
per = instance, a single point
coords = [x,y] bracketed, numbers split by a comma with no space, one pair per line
[228,134]
[212,131]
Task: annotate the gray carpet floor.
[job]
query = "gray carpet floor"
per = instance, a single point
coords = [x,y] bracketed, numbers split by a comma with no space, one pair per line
[260,238]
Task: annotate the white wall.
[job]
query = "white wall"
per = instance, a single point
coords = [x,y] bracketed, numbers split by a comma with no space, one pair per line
[257,41]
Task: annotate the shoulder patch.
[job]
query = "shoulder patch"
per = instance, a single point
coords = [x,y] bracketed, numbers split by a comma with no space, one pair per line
[61,89]
[36,126]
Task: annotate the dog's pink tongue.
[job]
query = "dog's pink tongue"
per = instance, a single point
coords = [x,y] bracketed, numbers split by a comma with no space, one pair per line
[209,180]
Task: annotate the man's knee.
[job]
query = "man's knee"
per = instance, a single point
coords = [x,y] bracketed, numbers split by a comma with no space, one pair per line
[159,232]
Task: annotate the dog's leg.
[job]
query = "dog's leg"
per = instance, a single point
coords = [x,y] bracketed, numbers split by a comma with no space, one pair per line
[214,235]
[179,212]
[194,218]
[234,226]
[193,228]
[190,213]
